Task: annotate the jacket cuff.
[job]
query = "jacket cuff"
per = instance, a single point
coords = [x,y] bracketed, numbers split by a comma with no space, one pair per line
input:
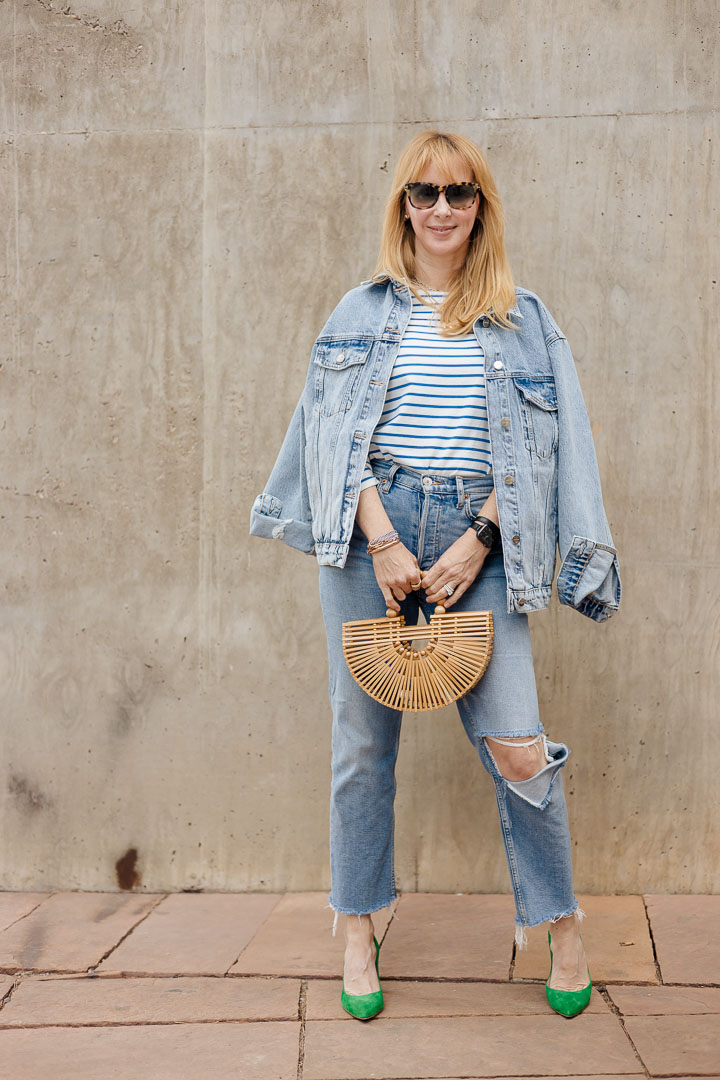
[589,579]
[265,520]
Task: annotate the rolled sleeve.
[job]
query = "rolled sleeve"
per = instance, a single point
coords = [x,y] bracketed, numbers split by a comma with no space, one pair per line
[589,579]
[266,520]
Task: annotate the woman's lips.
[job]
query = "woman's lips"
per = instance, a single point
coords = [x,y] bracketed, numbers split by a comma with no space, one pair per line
[441,228]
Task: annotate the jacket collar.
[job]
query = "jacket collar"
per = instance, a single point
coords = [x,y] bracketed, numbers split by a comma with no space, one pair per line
[401,286]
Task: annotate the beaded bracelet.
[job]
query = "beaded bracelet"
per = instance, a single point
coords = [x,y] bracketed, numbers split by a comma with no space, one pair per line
[380,542]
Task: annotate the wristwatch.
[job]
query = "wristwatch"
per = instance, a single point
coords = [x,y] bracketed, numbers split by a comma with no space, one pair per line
[485,530]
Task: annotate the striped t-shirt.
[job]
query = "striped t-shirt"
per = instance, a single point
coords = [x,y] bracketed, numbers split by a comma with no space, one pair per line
[435,413]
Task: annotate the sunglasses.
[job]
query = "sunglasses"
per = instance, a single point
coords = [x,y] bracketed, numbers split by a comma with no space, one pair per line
[459,196]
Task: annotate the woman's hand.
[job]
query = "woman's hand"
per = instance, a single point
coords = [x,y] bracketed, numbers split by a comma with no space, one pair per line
[396,570]
[395,567]
[458,566]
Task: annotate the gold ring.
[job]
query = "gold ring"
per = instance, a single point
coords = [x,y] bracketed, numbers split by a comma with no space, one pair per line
[415,584]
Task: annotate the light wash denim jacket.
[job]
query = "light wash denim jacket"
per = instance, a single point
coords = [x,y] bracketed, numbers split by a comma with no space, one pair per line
[544,464]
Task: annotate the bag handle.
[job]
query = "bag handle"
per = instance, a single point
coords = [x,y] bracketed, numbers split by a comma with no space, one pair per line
[392,614]
[408,633]
[439,609]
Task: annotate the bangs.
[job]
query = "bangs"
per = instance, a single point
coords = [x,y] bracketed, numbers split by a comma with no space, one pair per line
[445,156]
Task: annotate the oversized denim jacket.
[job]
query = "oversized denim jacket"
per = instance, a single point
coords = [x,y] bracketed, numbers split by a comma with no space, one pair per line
[544,464]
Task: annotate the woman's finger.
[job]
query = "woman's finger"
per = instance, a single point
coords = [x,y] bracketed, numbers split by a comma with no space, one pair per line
[460,590]
[391,602]
[431,578]
[448,601]
[443,575]
[439,594]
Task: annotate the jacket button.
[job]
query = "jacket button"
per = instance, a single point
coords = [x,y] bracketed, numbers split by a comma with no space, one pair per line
[509,479]
[516,539]
[521,601]
[505,422]
[498,365]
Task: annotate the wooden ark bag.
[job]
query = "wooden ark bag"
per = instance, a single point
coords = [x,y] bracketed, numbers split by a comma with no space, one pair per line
[384,662]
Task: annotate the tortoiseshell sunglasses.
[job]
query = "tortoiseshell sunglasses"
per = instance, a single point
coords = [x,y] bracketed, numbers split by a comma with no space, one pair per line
[459,196]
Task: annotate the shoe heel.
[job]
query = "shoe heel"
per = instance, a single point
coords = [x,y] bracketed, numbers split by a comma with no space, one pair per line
[364,1006]
[567,1002]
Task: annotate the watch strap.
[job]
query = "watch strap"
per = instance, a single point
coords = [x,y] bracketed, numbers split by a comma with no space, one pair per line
[483,533]
[480,520]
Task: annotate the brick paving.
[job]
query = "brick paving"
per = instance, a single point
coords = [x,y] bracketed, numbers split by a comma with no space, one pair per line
[209,985]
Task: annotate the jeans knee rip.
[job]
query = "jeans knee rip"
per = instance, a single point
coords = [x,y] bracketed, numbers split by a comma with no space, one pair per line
[537,790]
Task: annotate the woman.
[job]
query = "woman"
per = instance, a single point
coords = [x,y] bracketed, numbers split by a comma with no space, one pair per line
[441,451]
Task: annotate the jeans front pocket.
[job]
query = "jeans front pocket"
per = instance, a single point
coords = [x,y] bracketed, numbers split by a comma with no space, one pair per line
[474,502]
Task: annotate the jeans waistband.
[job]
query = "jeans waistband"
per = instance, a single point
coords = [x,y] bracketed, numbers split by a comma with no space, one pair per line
[438,483]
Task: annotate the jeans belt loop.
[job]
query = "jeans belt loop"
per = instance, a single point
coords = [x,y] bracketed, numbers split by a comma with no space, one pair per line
[460,492]
[387,482]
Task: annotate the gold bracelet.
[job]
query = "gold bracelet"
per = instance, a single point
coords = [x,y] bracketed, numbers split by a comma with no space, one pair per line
[380,542]
[381,547]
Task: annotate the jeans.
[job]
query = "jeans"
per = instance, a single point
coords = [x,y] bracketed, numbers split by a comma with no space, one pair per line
[430,512]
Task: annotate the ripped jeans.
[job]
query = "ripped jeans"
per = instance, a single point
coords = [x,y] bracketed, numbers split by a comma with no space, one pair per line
[430,512]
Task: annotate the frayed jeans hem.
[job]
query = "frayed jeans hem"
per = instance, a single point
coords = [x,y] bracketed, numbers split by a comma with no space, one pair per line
[370,911]
[345,911]
[520,927]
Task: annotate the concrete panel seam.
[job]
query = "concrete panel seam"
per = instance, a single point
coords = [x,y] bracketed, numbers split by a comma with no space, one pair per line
[330,125]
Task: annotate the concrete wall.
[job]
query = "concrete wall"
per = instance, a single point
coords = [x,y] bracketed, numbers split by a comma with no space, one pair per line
[187,191]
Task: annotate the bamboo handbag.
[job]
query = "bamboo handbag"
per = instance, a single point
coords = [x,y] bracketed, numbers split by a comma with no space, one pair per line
[383,661]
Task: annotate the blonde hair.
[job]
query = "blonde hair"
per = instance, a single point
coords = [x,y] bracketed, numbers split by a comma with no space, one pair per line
[484,284]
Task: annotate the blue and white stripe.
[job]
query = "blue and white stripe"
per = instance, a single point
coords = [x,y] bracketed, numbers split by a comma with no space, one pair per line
[435,413]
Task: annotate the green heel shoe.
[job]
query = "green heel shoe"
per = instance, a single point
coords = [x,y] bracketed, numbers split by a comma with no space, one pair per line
[567,1002]
[364,1006]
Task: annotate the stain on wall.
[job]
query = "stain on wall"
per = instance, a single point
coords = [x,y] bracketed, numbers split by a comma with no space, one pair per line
[126,872]
[28,797]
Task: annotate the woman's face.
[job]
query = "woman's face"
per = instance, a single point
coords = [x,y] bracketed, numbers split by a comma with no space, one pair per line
[441,231]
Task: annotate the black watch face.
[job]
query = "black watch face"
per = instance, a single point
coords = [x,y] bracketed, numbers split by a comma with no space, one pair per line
[484,534]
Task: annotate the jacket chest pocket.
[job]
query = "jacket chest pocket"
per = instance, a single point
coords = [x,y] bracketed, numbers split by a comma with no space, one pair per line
[539,411]
[338,365]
